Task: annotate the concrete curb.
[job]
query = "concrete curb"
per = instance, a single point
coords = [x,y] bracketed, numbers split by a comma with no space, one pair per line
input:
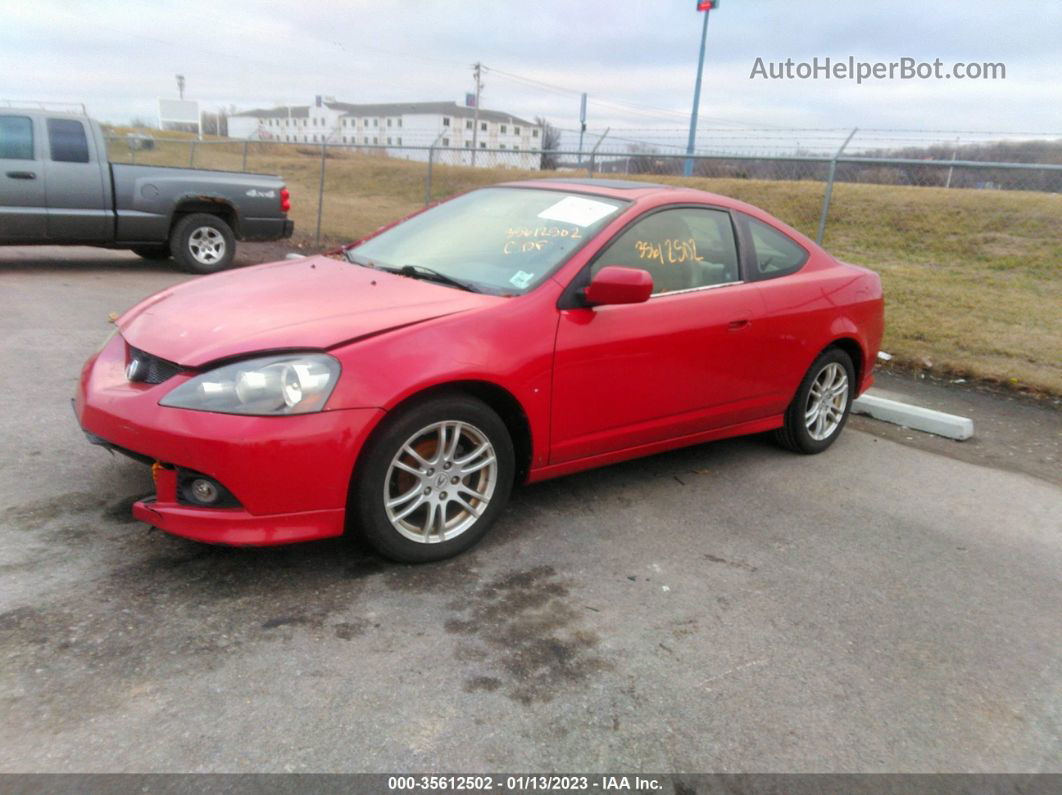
[950,426]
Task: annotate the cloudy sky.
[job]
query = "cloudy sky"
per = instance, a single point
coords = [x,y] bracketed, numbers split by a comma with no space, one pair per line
[636,59]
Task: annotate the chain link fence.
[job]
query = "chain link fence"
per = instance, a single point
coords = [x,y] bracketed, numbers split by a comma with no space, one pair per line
[969,250]
[343,191]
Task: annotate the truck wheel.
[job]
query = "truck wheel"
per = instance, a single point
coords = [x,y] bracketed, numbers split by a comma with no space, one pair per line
[152,252]
[202,243]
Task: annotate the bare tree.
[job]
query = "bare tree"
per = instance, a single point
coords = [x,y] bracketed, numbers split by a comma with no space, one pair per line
[550,144]
[641,158]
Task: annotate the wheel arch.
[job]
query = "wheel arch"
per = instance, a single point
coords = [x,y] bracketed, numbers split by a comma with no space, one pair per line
[211,205]
[498,398]
[855,352]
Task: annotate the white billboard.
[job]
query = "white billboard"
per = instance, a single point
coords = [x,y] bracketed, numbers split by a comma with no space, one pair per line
[179,111]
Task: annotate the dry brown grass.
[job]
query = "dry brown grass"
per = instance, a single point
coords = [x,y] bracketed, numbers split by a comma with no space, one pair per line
[972,279]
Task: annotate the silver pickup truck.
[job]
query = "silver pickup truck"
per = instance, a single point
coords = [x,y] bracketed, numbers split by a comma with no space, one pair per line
[57,187]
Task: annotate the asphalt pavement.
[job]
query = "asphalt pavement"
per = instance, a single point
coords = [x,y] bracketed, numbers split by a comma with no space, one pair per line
[885,606]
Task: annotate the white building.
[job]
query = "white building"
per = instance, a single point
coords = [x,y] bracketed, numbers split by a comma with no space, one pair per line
[413,126]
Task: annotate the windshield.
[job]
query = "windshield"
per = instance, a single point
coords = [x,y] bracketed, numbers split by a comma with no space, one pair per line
[495,240]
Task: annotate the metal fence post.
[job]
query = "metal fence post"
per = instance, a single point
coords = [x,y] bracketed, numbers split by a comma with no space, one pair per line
[427,176]
[431,157]
[244,166]
[593,153]
[320,196]
[829,188]
[191,155]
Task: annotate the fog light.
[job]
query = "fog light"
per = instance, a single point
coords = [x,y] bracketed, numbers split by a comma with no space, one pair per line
[205,491]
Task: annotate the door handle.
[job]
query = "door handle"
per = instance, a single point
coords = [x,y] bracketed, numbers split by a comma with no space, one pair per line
[737,325]
[21,175]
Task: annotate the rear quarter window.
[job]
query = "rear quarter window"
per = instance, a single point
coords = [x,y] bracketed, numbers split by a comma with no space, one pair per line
[16,138]
[773,253]
[68,141]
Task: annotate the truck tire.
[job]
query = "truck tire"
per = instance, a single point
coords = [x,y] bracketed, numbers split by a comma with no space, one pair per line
[161,251]
[202,243]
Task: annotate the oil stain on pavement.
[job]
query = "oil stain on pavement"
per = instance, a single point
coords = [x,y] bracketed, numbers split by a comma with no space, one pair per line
[523,630]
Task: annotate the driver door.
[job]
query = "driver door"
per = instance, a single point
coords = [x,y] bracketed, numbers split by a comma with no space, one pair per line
[682,362]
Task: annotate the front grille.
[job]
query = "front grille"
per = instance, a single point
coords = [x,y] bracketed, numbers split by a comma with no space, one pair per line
[148,369]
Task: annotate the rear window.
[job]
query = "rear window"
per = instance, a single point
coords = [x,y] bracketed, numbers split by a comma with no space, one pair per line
[68,141]
[16,138]
[775,254]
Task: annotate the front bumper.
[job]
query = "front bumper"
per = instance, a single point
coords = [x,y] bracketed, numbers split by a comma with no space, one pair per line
[290,475]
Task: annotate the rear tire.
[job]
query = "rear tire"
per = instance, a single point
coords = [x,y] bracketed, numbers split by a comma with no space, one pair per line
[161,251]
[433,479]
[203,243]
[820,409]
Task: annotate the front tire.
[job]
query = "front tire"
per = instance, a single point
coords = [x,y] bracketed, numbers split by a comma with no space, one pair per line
[203,243]
[820,409]
[434,479]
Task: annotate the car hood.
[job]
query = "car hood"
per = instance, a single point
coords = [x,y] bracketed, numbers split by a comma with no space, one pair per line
[312,303]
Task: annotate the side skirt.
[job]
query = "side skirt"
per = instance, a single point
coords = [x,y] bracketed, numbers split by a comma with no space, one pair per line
[614,457]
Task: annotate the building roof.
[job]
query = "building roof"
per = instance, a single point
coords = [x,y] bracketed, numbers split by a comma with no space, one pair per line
[295,111]
[393,109]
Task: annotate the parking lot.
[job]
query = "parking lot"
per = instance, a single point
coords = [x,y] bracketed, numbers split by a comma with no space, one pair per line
[888,605]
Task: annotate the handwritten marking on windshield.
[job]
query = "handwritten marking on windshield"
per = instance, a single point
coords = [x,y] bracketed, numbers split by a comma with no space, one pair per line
[523,239]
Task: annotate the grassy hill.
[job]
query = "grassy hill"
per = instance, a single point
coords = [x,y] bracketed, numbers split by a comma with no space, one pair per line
[973,278]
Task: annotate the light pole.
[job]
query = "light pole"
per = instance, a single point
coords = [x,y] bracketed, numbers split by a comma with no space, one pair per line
[706,6]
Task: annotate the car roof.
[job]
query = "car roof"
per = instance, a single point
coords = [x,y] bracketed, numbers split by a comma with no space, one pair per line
[629,190]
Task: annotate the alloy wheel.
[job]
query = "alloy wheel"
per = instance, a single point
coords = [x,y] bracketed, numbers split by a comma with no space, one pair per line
[827,401]
[440,482]
[207,245]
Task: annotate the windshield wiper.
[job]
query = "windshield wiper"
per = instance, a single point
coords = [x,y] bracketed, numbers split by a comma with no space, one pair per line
[424,272]
[357,259]
[412,271]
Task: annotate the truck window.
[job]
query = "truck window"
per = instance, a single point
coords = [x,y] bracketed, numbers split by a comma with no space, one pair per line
[68,141]
[16,138]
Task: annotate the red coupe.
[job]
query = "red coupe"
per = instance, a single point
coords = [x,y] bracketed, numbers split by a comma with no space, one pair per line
[402,385]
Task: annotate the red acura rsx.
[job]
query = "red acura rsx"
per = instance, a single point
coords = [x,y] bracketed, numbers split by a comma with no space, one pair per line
[402,385]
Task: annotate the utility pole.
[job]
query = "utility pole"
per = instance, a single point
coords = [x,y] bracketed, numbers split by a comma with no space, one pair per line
[180,86]
[476,70]
[706,6]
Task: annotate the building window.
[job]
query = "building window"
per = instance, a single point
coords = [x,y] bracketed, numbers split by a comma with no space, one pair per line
[482,144]
[534,133]
[468,144]
[375,140]
[516,130]
[482,126]
[503,129]
[389,122]
[375,122]
[399,140]
[446,121]
[516,148]
[446,141]
[468,124]
[501,146]
[388,140]
[399,121]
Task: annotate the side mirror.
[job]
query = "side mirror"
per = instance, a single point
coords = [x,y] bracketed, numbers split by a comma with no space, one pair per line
[617,285]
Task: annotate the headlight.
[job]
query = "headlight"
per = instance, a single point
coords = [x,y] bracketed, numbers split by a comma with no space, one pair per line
[297,383]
